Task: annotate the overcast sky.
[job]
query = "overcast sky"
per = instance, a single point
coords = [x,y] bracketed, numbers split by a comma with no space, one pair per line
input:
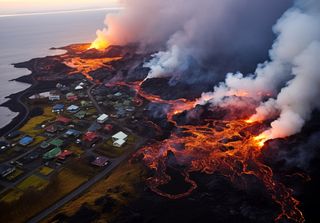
[27,6]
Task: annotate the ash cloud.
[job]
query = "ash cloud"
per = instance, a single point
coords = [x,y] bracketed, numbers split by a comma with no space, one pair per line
[197,41]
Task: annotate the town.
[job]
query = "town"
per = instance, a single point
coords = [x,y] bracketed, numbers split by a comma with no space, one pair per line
[82,129]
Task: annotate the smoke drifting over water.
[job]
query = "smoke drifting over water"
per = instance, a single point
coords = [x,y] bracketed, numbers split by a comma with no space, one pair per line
[197,41]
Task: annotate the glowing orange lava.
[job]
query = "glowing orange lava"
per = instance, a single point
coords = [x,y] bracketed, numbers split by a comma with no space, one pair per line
[85,66]
[226,147]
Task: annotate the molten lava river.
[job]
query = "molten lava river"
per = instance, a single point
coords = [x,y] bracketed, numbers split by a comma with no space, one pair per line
[227,147]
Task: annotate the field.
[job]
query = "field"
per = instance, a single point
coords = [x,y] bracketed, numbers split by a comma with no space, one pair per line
[18,206]
[14,175]
[32,126]
[120,187]
[107,148]
[11,195]
[45,170]
[34,182]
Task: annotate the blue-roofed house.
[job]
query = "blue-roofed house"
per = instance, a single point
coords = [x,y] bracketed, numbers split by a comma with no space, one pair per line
[58,108]
[94,127]
[26,140]
[72,133]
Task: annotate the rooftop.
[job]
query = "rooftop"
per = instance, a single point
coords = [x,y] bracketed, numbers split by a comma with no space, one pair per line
[120,135]
[100,161]
[25,140]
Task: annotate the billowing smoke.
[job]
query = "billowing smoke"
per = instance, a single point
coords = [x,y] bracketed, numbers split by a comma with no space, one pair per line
[293,68]
[196,40]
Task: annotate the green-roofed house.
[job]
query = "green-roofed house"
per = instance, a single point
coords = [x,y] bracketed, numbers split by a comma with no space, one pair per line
[56,142]
[52,153]
[80,115]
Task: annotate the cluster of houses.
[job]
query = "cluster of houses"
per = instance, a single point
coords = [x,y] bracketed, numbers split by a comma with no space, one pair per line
[69,127]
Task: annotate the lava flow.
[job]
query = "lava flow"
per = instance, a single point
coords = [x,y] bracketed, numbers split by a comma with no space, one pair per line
[227,147]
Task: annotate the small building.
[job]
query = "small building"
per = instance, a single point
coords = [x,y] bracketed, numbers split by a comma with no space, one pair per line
[108,128]
[78,88]
[58,108]
[119,139]
[100,161]
[80,114]
[102,118]
[64,154]
[52,153]
[73,108]
[94,127]
[6,170]
[71,97]
[72,133]
[119,143]
[54,97]
[90,136]
[25,140]
[51,129]
[56,142]
[63,120]
[119,135]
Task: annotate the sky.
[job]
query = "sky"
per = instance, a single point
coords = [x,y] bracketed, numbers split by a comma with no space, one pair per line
[30,6]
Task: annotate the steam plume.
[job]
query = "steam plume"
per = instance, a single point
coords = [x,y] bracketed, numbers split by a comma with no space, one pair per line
[199,40]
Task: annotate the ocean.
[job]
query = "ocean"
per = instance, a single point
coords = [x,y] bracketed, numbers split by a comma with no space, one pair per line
[25,37]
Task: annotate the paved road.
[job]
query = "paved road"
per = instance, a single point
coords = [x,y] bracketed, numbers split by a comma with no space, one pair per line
[81,189]
[95,103]
[92,181]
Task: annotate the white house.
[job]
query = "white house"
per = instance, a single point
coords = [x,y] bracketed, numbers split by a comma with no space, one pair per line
[54,97]
[119,143]
[119,139]
[79,87]
[102,118]
[73,108]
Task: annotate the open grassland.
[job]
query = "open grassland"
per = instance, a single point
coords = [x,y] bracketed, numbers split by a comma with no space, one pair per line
[18,206]
[45,170]
[32,126]
[34,182]
[10,196]
[107,148]
[11,177]
[120,187]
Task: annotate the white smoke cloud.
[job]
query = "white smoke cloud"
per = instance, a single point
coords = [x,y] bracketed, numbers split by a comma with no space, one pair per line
[294,62]
[196,39]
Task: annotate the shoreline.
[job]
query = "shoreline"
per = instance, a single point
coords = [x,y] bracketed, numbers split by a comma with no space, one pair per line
[15,100]
[16,105]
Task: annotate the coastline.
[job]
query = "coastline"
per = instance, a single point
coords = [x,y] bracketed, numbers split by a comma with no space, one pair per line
[15,100]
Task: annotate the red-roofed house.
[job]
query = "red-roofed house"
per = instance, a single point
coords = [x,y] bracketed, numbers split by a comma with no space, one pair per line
[63,120]
[108,128]
[90,136]
[51,129]
[100,161]
[65,154]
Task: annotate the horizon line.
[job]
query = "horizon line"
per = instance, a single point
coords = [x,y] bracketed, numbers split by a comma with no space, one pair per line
[59,12]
